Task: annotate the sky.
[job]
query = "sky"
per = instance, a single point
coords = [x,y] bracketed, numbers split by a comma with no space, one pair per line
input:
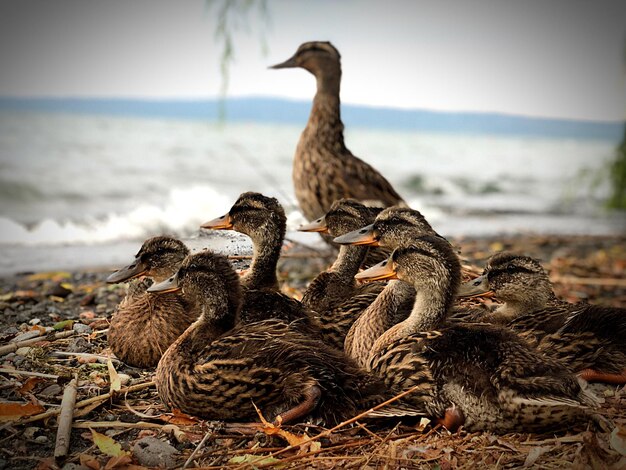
[544,58]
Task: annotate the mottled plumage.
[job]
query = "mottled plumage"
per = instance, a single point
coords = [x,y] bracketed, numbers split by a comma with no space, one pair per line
[324,170]
[589,338]
[487,374]
[144,326]
[334,294]
[217,370]
[263,219]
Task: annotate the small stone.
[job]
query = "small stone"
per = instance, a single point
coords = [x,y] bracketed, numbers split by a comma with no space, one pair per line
[79,344]
[74,466]
[34,321]
[89,299]
[51,390]
[41,439]
[152,452]
[124,379]
[4,305]
[110,417]
[23,351]
[27,335]
[82,329]
[29,432]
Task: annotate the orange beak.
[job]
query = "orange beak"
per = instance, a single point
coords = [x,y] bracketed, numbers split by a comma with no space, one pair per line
[382,270]
[362,236]
[221,223]
[318,225]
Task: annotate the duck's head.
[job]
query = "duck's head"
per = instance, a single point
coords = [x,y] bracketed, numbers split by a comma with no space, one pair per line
[158,258]
[513,278]
[345,215]
[429,264]
[393,227]
[315,56]
[252,214]
[206,278]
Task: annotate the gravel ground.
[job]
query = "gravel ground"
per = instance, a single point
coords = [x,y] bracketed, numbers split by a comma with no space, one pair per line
[77,305]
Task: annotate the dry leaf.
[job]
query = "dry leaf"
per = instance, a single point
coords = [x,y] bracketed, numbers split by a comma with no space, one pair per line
[114,378]
[118,462]
[29,385]
[180,418]
[618,440]
[89,461]
[257,460]
[107,445]
[14,411]
[64,325]
[272,430]
[51,276]
[534,454]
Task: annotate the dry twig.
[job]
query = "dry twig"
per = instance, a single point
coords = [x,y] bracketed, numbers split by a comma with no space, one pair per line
[66,414]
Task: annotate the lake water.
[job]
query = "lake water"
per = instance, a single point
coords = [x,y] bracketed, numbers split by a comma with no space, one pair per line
[84,190]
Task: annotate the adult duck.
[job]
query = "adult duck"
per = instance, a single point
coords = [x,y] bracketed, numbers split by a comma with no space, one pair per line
[324,170]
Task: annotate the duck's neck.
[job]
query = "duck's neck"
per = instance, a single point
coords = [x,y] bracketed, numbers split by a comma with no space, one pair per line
[381,315]
[513,308]
[428,313]
[349,261]
[266,251]
[217,318]
[325,118]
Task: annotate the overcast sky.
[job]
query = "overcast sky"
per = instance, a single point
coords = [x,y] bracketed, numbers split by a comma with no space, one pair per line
[554,58]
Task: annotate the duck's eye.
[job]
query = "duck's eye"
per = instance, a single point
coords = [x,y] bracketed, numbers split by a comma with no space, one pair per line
[510,269]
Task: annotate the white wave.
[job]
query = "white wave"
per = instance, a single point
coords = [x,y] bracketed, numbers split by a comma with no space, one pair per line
[183,212]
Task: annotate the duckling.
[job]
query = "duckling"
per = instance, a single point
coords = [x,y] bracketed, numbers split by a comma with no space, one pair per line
[263,219]
[144,326]
[399,226]
[589,339]
[482,376]
[334,293]
[219,370]
[324,170]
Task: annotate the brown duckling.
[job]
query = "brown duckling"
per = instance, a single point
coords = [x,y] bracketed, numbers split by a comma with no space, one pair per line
[334,294]
[482,376]
[219,370]
[589,339]
[144,326]
[324,170]
[263,219]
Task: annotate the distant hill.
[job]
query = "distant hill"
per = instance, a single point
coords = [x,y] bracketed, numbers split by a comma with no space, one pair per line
[276,110]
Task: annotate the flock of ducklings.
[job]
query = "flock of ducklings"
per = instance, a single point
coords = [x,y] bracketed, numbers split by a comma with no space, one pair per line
[223,344]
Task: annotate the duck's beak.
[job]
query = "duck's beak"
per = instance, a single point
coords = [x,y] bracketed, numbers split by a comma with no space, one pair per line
[221,223]
[288,64]
[477,286]
[133,270]
[318,225]
[362,236]
[382,270]
[169,285]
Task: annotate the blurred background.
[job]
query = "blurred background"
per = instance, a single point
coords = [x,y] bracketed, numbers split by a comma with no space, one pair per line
[122,120]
